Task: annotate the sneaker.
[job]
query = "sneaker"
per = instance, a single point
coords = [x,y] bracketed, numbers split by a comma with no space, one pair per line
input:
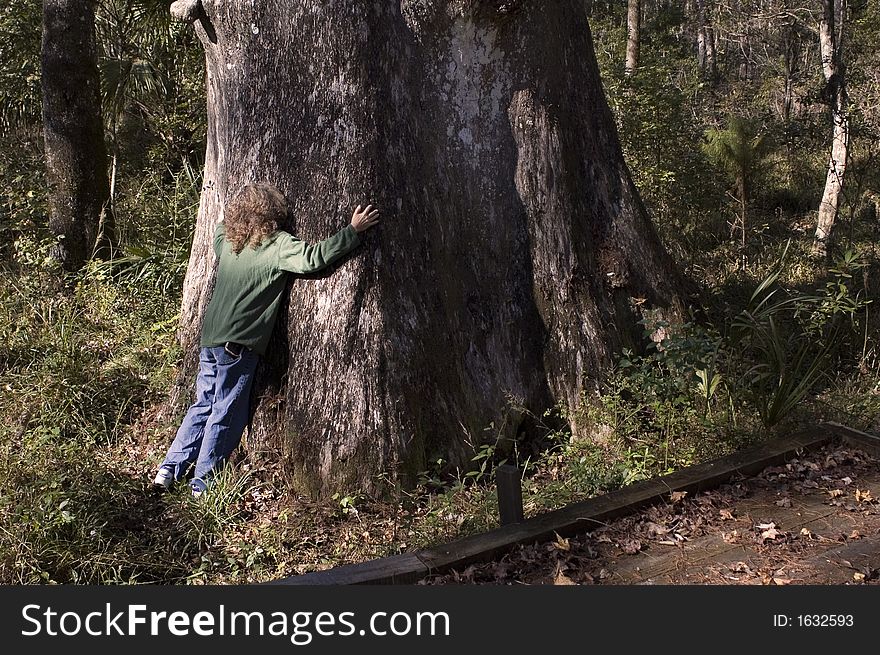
[198,487]
[164,477]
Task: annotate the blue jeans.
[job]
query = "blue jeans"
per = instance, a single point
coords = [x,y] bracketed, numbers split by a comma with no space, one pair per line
[213,425]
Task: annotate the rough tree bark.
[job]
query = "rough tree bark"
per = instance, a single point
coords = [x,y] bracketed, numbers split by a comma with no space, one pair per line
[831,30]
[633,35]
[76,156]
[514,255]
[706,41]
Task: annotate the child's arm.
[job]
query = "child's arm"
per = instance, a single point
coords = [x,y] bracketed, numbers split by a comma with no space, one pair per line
[298,256]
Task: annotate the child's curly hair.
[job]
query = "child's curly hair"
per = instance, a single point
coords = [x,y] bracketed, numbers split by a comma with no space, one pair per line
[257,211]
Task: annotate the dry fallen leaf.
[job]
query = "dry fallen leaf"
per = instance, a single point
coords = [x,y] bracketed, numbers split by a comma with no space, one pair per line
[805,532]
[631,546]
[784,502]
[727,515]
[846,480]
[562,579]
[676,496]
[770,533]
[858,577]
[561,543]
[765,526]
[655,529]
[834,493]
[864,496]
[781,581]
[855,534]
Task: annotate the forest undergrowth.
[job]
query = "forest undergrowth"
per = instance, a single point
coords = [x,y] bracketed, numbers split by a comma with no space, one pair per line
[778,339]
[86,373]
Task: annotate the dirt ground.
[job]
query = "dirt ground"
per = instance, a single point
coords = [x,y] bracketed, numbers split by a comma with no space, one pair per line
[814,520]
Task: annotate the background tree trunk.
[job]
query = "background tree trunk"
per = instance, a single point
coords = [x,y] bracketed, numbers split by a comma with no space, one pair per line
[831,30]
[705,42]
[633,34]
[514,255]
[76,157]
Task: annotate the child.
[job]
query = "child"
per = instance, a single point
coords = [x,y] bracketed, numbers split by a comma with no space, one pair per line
[255,255]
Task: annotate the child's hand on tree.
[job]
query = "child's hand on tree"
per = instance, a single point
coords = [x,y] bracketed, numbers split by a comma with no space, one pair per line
[364,219]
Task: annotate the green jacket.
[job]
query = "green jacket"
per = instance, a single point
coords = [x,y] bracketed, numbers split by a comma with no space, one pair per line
[249,285]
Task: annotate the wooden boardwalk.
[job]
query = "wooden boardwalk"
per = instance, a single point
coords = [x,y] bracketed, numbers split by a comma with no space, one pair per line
[834,543]
[678,565]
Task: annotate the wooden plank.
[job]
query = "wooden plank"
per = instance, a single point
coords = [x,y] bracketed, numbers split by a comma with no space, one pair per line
[870,443]
[838,565]
[406,568]
[660,564]
[509,487]
[580,517]
[696,555]
[834,565]
[696,574]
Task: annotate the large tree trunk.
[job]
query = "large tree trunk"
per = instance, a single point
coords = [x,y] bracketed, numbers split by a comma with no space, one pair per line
[76,157]
[830,46]
[514,255]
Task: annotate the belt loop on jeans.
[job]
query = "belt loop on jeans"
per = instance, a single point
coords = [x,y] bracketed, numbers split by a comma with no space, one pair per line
[234,349]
